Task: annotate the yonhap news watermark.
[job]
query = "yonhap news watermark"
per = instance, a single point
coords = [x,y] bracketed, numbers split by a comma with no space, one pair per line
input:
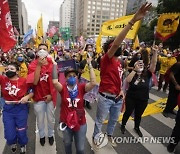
[142,140]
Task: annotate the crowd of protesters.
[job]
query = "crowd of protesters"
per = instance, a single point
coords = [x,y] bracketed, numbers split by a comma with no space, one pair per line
[29,73]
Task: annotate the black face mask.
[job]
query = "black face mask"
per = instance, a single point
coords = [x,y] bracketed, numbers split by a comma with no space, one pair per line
[10,74]
[118,52]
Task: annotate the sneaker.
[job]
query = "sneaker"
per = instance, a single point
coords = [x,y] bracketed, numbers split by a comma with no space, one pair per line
[110,139]
[13,148]
[174,112]
[165,114]
[169,115]
[42,141]
[51,140]
[23,149]
[123,129]
[171,147]
[94,146]
[137,130]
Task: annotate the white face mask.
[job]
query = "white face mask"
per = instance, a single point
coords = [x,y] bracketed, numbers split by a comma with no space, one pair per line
[141,69]
[168,55]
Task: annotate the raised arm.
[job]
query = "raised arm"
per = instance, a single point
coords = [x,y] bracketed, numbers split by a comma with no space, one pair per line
[57,85]
[154,59]
[37,74]
[138,16]
[92,82]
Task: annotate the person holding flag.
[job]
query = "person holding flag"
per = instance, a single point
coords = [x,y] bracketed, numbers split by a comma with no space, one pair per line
[110,89]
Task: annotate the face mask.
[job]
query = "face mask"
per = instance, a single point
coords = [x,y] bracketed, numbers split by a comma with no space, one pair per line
[118,52]
[20,59]
[66,57]
[10,74]
[168,55]
[91,54]
[140,70]
[71,81]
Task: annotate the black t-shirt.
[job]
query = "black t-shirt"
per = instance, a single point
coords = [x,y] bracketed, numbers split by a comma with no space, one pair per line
[84,62]
[139,88]
[176,71]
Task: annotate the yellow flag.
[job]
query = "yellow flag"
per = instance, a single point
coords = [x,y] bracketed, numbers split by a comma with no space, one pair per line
[98,44]
[114,27]
[48,43]
[40,27]
[167,25]
[136,43]
[39,34]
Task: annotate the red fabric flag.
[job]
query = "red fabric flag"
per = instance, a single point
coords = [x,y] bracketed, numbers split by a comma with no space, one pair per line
[52,31]
[7,39]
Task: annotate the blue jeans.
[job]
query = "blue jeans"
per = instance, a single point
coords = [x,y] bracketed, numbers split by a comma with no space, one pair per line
[79,137]
[104,107]
[40,109]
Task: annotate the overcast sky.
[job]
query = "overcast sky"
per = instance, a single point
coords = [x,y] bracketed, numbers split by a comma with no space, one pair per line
[48,8]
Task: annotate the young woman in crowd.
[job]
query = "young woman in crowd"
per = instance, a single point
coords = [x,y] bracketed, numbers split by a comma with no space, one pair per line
[72,113]
[138,92]
[15,110]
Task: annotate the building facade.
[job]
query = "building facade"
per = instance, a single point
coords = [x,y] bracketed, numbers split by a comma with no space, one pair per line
[53,23]
[67,15]
[24,19]
[92,13]
[16,14]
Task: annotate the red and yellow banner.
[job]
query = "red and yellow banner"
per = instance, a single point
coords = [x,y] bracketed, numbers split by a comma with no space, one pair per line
[167,25]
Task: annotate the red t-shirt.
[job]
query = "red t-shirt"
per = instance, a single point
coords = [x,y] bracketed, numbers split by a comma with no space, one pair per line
[66,105]
[111,74]
[43,87]
[13,90]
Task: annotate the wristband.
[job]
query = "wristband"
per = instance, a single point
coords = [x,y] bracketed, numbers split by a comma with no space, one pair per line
[130,23]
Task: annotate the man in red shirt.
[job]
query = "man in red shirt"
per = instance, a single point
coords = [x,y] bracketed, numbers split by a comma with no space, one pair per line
[110,94]
[43,93]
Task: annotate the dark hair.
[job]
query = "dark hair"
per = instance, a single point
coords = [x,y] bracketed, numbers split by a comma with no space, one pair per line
[145,57]
[106,45]
[42,45]
[15,65]
[70,70]
[87,46]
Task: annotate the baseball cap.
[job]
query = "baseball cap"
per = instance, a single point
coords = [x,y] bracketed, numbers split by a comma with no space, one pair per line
[70,70]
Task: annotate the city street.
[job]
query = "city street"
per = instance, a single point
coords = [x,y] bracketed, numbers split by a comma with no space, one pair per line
[152,126]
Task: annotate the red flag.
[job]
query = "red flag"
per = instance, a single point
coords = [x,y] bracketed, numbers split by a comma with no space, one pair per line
[7,39]
[52,31]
